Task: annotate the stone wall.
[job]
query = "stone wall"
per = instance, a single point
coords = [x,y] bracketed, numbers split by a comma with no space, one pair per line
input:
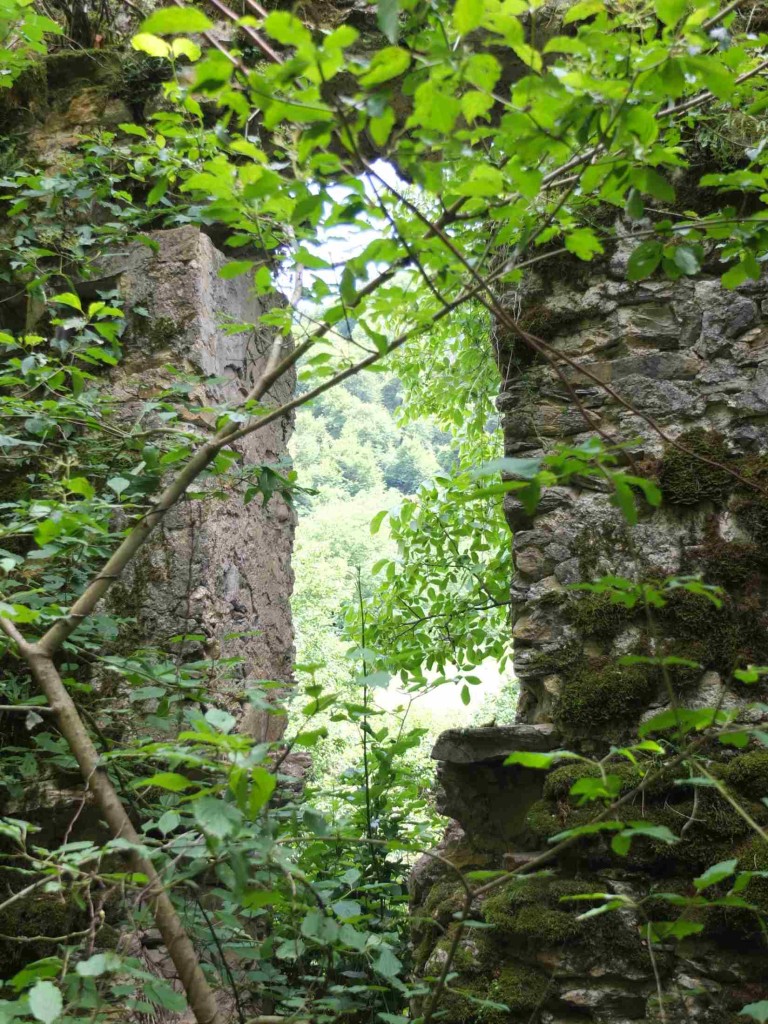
[694,358]
[216,568]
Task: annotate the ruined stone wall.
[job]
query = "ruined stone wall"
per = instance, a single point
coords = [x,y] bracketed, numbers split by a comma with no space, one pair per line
[694,358]
[216,569]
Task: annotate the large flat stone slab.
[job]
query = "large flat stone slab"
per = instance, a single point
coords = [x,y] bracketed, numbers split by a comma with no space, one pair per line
[492,743]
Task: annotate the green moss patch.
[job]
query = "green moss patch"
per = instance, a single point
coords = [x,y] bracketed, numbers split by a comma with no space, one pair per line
[601,694]
[597,615]
[534,912]
[748,773]
[685,480]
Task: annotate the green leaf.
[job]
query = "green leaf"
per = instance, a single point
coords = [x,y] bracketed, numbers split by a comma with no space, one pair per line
[145,42]
[186,48]
[634,208]
[757,1011]
[79,485]
[235,269]
[386,64]
[532,759]
[465,695]
[377,520]
[166,780]
[716,874]
[680,929]
[686,259]
[118,484]
[100,963]
[590,829]
[68,299]
[434,108]
[584,243]
[172,20]
[670,11]
[467,15]
[215,817]
[387,964]
[387,16]
[221,720]
[45,1002]
[644,260]
[583,10]
[622,842]
[262,786]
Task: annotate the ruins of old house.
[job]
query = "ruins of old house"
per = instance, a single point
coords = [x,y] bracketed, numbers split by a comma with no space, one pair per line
[693,359]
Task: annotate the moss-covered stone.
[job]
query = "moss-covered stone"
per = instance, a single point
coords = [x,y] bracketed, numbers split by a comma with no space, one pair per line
[445,899]
[750,506]
[720,638]
[742,927]
[522,989]
[748,773]
[558,783]
[602,695]
[35,917]
[597,615]
[160,333]
[687,481]
[534,911]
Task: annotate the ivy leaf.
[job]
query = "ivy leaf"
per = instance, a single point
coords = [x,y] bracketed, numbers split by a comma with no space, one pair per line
[171,20]
[45,1002]
[387,16]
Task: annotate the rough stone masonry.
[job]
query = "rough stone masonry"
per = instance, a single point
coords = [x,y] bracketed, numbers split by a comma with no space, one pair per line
[693,357]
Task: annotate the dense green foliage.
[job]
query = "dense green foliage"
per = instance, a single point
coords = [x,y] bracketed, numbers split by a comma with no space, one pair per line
[297,900]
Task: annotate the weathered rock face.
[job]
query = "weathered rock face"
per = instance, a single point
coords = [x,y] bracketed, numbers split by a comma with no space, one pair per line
[216,568]
[694,358]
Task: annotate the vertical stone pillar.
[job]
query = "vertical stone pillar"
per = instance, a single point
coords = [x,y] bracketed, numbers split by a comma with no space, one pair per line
[217,569]
[694,358]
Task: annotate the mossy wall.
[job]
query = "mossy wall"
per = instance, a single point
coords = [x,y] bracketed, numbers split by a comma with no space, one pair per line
[690,355]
